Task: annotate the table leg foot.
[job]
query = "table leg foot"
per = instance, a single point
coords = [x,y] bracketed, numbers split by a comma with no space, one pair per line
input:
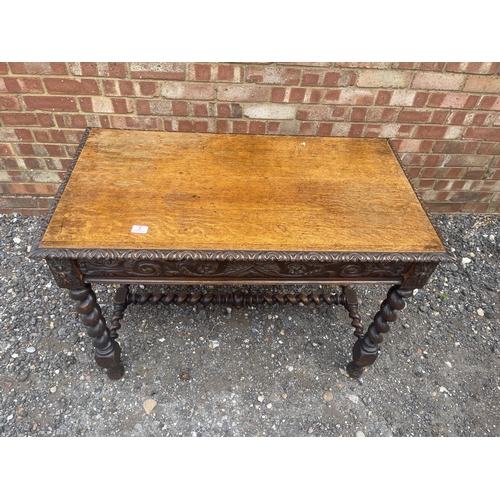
[353,370]
[107,351]
[365,350]
[116,372]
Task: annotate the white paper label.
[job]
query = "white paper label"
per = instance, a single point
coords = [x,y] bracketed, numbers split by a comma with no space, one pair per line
[139,229]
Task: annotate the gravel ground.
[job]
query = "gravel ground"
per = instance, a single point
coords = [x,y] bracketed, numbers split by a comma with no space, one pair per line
[269,371]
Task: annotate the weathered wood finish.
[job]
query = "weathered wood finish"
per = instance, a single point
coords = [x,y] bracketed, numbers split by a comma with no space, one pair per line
[230,192]
[229,209]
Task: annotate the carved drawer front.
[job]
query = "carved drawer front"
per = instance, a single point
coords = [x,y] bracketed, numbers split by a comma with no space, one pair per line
[247,270]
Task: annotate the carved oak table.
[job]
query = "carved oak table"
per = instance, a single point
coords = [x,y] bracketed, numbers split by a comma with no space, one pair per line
[142,207]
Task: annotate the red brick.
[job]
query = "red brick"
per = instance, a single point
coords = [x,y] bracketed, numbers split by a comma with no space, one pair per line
[160,71]
[240,127]
[39,68]
[469,196]
[278,94]
[430,132]
[297,95]
[490,102]
[308,128]
[198,91]
[31,85]
[403,65]
[431,66]
[450,208]
[413,116]
[9,103]
[329,78]
[489,185]
[424,183]
[202,72]
[381,114]
[485,119]
[53,150]
[6,150]
[226,73]
[360,97]
[222,126]
[358,114]
[469,160]
[321,113]
[356,130]
[489,148]
[413,172]
[273,75]
[474,173]
[180,108]
[68,120]
[136,123]
[23,134]
[71,86]
[15,176]
[66,136]
[338,129]
[26,150]
[342,79]
[273,127]
[453,147]
[438,81]
[58,163]
[457,117]
[383,97]
[439,116]
[420,99]
[483,84]
[130,88]
[200,109]
[243,93]
[462,101]
[410,159]
[224,110]
[26,119]
[33,188]
[483,68]
[109,69]
[432,172]
[50,103]
[106,105]
[257,128]
[412,146]
[3,68]
[389,130]
[312,79]
[485,134]
[192,126]
[325,129]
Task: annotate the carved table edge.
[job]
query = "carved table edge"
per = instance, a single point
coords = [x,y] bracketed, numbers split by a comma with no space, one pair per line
[113,254]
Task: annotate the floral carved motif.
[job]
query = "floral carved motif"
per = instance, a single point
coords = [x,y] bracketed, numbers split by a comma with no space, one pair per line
[162,268]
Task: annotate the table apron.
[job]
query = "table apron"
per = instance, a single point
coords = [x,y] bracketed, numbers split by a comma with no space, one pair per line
[249,282]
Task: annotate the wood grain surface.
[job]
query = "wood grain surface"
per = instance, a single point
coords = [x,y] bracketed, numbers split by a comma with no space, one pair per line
[239,192]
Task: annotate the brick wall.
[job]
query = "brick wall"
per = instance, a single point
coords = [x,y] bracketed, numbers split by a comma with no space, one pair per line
[443,118]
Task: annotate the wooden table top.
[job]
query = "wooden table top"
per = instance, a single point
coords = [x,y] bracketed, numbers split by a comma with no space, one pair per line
[238,192]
